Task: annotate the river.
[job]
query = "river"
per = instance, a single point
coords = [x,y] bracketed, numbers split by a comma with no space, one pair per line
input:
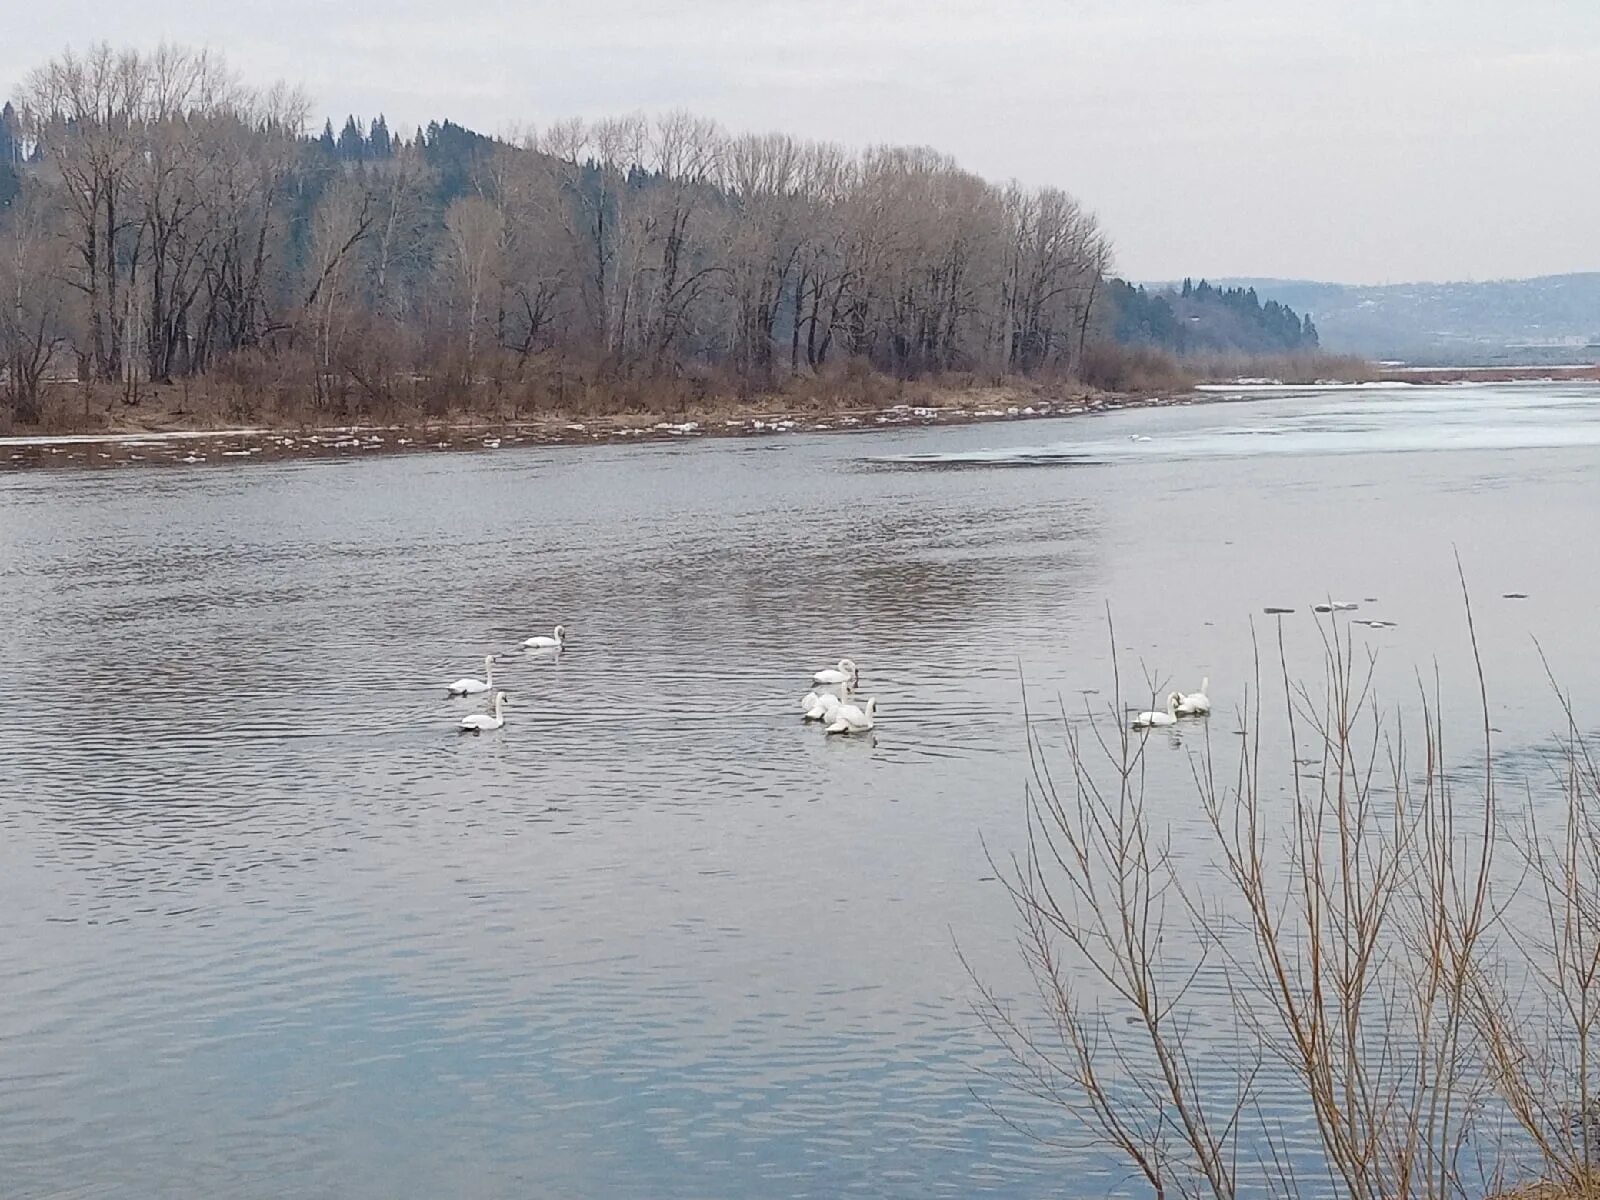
[272,928]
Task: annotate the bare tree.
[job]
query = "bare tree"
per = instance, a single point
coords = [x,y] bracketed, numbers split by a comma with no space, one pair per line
[595,163]
[828,175]
[542,257]
[1349,918]
[1538,1005]
[475,237]
[684,154]
[192,99]
[34,299]
[84,113]
[1055,258]
[400,247]
[251,159]
[343,219]
[761,176]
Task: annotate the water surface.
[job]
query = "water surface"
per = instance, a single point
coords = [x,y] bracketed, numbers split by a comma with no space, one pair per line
[272,928]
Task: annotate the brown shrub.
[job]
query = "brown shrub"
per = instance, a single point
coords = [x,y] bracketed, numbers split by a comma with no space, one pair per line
[1312,367]
[1134,369]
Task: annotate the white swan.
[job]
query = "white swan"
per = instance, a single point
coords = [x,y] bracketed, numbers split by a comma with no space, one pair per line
[848,718]
[1147,720]
[845,672]
[470,687]
[478,722]
[824,706]
[545,642]
[1195,704]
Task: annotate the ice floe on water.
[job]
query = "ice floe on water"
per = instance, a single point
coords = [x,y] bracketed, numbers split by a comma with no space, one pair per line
[1270,386]
[1348,419]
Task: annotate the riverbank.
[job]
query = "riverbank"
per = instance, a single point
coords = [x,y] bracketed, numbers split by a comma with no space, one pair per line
[158,437]
[157,432]
[1577,372]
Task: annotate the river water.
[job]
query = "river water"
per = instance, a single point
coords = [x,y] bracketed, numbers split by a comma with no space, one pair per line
[272,928]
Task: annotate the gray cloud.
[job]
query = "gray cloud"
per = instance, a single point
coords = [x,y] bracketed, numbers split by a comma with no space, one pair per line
[1357,140]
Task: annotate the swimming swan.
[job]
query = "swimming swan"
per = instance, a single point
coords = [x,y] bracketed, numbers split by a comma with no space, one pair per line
[845,672]
[1146,720]
[848,718]
[1195,704]
[824,706]
[544,642]
[470,687]
[478,722]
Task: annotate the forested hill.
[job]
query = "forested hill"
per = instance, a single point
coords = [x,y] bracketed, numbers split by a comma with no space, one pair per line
[1553,318]
[457,155]
[1199,318]
[173,222]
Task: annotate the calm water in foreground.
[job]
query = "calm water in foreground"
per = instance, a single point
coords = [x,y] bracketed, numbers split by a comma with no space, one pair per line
[271,928]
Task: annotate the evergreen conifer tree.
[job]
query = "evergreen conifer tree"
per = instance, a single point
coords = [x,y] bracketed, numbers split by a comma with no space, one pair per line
[10,137]
[352,145]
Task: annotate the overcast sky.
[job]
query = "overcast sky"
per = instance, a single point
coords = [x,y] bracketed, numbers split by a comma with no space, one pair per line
[1353,140]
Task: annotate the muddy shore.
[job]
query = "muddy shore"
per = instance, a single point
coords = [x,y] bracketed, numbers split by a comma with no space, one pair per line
[184,447]
[159,438]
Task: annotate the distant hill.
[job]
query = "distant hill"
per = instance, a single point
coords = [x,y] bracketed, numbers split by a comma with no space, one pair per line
[1198,318]
[1554,318]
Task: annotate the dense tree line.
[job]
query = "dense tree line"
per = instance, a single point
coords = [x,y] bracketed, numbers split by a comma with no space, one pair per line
[168,220]
[1200,318]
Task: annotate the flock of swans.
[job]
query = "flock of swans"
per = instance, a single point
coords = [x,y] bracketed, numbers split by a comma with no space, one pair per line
[1179,704]
[834,709]
[484,722]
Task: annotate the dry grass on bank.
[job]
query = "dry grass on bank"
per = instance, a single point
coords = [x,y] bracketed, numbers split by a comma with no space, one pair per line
[272,393]
[287,391]
[1285,368]
[1141,370]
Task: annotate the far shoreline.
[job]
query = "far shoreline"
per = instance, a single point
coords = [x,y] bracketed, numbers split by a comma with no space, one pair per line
[161,445]
[157,442]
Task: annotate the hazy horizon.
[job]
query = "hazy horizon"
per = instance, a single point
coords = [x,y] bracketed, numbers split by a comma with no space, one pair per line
[1294,140]
[1238,280]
